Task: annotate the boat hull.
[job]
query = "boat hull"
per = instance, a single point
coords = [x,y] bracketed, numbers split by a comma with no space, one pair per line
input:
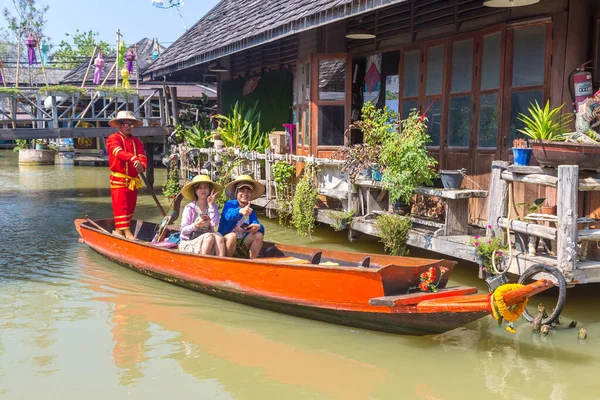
[337,295]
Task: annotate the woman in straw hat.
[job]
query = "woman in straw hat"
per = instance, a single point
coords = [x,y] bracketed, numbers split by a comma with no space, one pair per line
[126,159]
[239,223]
[200,217]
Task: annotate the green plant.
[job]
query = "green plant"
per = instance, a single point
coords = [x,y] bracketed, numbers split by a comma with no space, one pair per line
[195,136]
[404,160]
[340,219]
[545,123]
[393,230]
[304,201]
[172,187]
[71,90]
[488,248]
[529,208]
[116,91]
[284,175]
[21,144]
[241,129]
[10,91]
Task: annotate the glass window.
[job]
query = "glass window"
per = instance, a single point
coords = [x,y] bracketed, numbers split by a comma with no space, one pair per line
[435,70]
[331,125]
[460,121]
[299,81]
[434,121]
[490,65]
[411,73]
[407,106]
[307,79]
[299,127]
[528,60]
[462,66]
[519,103]
[332,80]
[488,120]
[307,126]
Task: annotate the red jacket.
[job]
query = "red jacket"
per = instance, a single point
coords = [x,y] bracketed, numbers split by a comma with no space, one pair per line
[122,152]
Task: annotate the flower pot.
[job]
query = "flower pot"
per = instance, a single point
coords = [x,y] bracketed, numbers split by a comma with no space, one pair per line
[553,154]
[40,146]
[452,179]
[376,174]
[521,156]
[549,210]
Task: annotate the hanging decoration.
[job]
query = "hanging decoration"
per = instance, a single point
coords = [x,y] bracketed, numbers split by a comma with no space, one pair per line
[121,53]
[44,50]
[250,85]
[156,50]
[125,77]
[130,57]
[99,64]
[372,85]
[31,43]
[1,72]
[172,3]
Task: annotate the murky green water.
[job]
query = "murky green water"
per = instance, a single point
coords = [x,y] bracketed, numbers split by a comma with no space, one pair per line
[76,326]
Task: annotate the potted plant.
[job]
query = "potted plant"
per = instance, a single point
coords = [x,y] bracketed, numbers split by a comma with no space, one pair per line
[62,90]
[486,249]
[121,93]
[548,130]
[521,151]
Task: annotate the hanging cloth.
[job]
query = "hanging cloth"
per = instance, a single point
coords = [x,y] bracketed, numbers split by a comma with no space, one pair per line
[98,64]
[44,50]
[125,77]
[130,57]
[31,43]
[121,54]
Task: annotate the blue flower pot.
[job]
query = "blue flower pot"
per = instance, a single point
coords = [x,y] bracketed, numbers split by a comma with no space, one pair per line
[522,156]
[376,174]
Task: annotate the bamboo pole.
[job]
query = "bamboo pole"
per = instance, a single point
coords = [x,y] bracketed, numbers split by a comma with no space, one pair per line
[18,59]
[137,68]
[42,63]
[109,72]
[87,71]
[3,76]
[117,58]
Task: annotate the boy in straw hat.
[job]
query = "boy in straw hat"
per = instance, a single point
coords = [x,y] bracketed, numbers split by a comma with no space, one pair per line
[239,223]
[126,159]
[200,217]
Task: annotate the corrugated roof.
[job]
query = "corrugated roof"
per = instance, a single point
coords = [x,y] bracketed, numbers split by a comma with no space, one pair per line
[33,75]
[235,25]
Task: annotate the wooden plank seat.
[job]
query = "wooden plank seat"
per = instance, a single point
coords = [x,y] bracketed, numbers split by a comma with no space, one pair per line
[410,299]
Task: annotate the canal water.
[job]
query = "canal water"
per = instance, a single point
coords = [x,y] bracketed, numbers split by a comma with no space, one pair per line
[74,325]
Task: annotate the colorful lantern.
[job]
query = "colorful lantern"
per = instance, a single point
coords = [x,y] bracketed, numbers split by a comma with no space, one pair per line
[130,57]
[99,64]
[44,49]
[1,74]
[121,54]
[125,76]
[155,51]
[31,43]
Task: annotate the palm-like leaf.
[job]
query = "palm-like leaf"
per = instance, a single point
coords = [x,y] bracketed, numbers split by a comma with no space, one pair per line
[545,123]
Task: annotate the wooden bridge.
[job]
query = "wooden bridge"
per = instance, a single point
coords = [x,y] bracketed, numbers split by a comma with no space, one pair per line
[30,114]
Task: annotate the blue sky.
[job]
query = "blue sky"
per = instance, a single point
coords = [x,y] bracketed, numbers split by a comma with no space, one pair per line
[135,18]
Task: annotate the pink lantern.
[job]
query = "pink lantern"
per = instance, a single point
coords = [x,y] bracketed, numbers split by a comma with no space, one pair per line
[98,64]
[31,43]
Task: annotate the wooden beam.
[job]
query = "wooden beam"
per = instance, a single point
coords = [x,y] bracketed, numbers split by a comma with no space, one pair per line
[566,241]
[497,207]
[542,231]
[25,133]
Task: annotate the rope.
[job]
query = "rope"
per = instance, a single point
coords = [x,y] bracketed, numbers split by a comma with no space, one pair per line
[510,201]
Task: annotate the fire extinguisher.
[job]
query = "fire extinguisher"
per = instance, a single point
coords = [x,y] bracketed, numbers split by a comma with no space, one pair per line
[580,86]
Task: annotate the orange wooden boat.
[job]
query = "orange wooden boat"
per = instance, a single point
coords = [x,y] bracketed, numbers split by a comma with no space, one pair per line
[360,290]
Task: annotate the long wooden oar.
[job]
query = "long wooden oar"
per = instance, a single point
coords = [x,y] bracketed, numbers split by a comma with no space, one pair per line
[151,190]
[95,225]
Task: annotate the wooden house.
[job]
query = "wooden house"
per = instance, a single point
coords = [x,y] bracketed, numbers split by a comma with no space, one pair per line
[471,67]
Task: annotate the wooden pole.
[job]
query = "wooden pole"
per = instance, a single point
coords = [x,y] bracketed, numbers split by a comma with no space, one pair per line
[498,197]
[117,58]
[567,233]
[137,68]
[87,71]
[42,62]
[18,59]
[3,76]
[109,72]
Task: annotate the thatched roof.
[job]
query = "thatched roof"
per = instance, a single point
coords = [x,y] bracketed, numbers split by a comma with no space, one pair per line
[144,52]
[33,76]
[235,25]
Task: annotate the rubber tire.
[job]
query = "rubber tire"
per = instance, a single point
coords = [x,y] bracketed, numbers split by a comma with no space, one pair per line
[562,290]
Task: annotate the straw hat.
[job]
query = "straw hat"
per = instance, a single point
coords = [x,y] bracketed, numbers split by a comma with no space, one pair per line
[124,116]
[241,181]
[189,190]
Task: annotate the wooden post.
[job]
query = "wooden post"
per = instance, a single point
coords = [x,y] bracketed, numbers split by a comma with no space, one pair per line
[54,112]
[3,76]
[161,107]
[149,148]
[498,197]
[87,71]
[174,104]
[109,72]
[39,115]
[147,114]
[117,58]
[18,58]
[166,104]
[137,68]
[567,232]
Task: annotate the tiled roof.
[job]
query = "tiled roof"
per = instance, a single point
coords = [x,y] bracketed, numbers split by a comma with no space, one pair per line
[235,25]
[144,51]
[33,75]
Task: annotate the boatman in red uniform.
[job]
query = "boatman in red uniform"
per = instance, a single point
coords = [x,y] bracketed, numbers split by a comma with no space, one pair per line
[126,160]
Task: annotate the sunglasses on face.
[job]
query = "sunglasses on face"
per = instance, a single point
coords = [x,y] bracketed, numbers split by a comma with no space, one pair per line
[128,124]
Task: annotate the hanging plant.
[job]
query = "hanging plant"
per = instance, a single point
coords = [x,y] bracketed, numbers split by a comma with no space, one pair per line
[172,187]
[67,89]
[284,175]
[304,202]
